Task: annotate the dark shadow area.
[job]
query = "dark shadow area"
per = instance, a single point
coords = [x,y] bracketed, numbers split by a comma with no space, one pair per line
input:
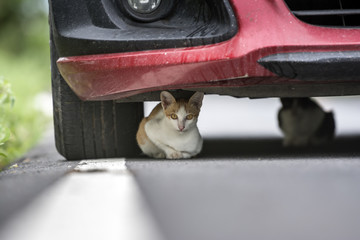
[257,148]
[265,148]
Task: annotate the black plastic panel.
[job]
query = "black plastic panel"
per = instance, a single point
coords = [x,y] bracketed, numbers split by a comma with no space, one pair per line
[315,66]
[84,27]
[332,13]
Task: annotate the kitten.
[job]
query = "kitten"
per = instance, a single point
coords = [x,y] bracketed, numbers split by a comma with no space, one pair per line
[170,131]
[303,122]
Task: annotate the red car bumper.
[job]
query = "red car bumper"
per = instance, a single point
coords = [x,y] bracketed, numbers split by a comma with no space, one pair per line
[265,28]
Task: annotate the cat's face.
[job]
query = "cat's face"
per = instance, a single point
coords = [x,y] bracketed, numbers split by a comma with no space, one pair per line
[181,115]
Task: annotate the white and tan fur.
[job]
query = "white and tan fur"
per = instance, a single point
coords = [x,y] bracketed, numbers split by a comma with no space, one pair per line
[170,131]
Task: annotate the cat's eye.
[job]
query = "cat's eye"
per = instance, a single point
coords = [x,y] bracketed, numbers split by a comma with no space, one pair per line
[189,117]
[173,116]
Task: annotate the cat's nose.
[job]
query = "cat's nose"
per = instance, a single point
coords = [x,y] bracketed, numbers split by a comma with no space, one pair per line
[181,128]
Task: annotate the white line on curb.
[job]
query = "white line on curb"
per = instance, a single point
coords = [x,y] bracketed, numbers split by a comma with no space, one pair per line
[99,200]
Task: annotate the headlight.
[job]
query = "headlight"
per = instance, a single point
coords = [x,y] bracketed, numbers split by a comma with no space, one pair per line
[146,10]
[144,6]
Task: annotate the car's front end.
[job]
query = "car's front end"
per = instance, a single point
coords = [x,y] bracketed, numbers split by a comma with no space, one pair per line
[129,50]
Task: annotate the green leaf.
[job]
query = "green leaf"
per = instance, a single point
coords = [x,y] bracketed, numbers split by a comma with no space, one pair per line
[6,95]
[4,135]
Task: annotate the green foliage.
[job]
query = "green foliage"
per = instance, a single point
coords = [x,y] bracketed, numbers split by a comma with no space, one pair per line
[6,98]
[21,24]
[23,122]
[25,62]
[9,11]
[6,95]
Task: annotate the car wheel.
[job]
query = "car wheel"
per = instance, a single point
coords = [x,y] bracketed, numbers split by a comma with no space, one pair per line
[88,130]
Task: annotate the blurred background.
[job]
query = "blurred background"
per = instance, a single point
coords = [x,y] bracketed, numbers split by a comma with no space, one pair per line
[25,99]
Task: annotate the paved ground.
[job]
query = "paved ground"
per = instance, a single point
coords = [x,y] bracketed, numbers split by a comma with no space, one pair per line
[244,185]
[30,175]
[250,199]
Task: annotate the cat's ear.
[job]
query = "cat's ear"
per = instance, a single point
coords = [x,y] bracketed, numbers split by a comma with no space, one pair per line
[196,100]
[166,99]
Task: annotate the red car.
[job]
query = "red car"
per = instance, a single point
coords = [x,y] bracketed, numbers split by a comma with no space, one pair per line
[110,56]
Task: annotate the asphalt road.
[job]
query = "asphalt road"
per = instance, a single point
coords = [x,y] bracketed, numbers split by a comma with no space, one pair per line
[244,185]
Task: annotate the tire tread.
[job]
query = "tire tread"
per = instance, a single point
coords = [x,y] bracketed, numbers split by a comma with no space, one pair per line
[89,130]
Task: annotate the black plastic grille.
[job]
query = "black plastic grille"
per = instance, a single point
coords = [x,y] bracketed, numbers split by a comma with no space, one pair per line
[84,27]
[333,13]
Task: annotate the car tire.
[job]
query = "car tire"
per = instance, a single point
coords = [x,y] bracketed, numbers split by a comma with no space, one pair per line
[90,130]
